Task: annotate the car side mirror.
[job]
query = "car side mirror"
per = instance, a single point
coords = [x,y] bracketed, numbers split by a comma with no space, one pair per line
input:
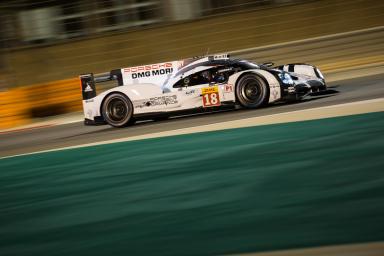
[268,64]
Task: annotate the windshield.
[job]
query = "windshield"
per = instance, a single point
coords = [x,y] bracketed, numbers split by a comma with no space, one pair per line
[249,64]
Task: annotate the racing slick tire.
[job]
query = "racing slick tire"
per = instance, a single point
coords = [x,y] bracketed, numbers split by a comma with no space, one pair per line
[252,91]
[117,110]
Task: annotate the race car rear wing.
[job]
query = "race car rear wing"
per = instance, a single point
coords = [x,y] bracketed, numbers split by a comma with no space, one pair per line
[157,73]
[89,81]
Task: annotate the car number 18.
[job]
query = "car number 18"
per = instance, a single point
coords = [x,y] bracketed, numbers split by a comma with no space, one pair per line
[211,96]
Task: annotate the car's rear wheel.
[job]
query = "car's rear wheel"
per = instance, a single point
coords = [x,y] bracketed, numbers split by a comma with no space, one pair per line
[252,91]
[117,110]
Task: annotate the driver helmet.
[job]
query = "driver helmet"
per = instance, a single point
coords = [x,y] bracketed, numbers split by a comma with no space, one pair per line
[206,75]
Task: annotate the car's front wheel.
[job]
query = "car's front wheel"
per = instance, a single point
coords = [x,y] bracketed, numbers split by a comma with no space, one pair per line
[252,91]
[117,110]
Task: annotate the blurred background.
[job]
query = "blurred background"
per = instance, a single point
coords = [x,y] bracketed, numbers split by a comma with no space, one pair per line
[46,44]
[83,29]
[264,188]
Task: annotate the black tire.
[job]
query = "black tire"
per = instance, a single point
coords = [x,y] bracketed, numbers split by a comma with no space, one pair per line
[252,91]
[117,110]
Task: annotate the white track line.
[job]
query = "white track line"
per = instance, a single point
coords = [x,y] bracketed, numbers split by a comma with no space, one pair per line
[353,108]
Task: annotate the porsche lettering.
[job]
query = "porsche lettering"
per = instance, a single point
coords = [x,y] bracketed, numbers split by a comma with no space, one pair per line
[148,67]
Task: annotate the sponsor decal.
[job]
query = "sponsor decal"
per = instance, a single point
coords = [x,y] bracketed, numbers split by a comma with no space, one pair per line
[228,88]
[224,70]
[211,89]
[210,96]
[190,92]
[152,73]
[89,113]
[221,56]
[88,88]
[218,57]
[157,101]
[150,70]
[148,67]
[275,93]
[291,89]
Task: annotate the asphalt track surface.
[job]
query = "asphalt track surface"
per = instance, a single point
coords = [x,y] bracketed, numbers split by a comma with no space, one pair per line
[20,142]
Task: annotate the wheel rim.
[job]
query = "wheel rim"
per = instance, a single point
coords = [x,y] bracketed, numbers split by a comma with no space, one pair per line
[117,110]
[252,91]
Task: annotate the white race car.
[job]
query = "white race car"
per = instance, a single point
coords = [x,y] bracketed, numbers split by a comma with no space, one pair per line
[157,91]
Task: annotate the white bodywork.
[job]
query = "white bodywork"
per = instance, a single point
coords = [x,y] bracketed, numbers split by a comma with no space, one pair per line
[162,87]
[151,98]
[303,71]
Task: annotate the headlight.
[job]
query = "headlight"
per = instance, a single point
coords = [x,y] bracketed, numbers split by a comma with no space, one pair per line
[286,78]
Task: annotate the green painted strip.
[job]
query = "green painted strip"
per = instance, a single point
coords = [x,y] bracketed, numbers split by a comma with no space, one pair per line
[244,190]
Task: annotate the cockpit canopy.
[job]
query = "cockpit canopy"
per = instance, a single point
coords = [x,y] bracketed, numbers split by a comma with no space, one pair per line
[207,70]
